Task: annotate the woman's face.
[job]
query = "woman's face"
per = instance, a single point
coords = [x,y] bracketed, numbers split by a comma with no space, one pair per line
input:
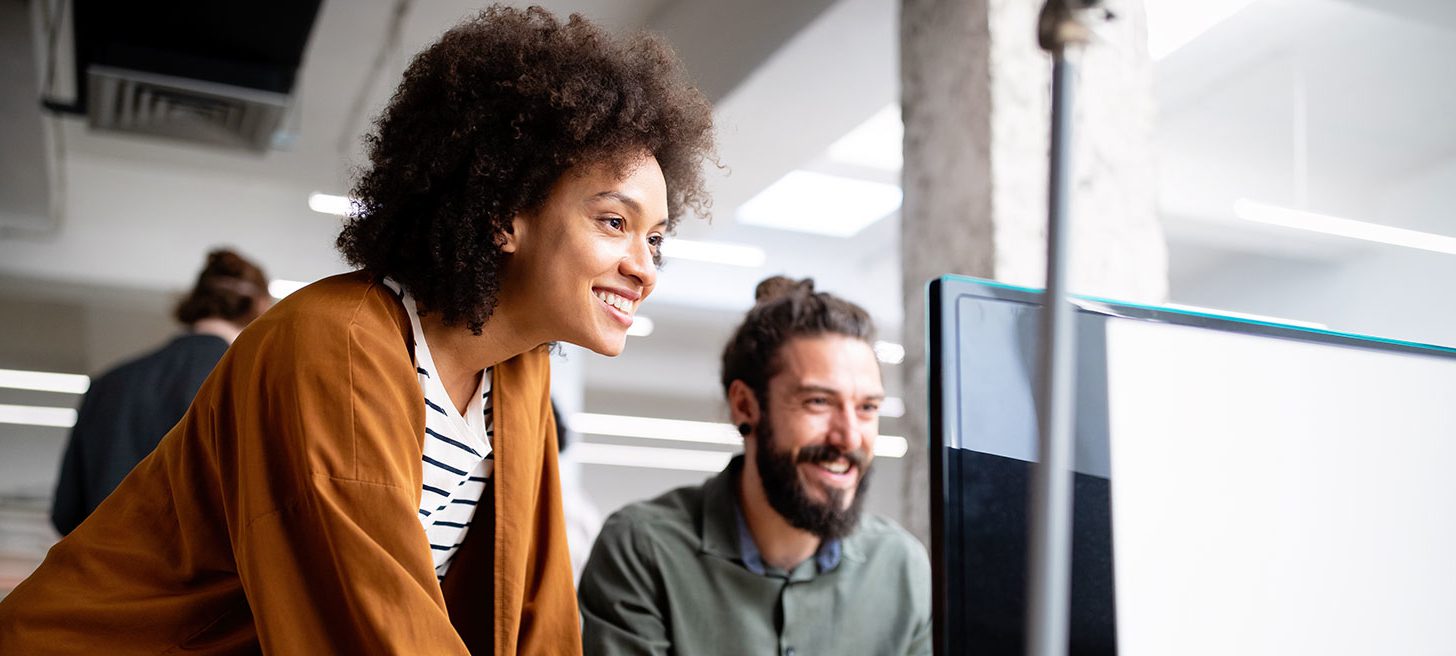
[582,264]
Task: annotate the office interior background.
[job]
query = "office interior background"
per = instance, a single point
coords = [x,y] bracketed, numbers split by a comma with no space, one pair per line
[1305,171]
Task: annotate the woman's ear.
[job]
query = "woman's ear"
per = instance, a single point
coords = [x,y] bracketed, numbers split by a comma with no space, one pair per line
[510,236]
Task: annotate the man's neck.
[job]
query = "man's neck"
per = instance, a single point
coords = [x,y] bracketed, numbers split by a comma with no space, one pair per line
[219,327]
[779,543]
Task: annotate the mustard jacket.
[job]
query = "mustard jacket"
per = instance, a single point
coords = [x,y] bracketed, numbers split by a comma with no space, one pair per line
[280,514]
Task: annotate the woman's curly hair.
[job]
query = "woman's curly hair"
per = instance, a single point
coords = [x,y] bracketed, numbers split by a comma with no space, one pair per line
[485,122]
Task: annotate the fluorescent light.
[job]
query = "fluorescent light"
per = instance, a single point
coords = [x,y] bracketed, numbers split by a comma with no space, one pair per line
[1330,225]
[649,456]
[34,415]
[682,430]
[44,381]
[281,288]
[877,143]
[679,430]
[805,201]
[1172,24]
[1244,315]
[641,326]
[892,407]
[716,252]
[889,352]
[891,446]
[330,204]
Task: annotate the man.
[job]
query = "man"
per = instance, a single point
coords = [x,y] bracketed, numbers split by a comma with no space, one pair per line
[128,409]
[772,555]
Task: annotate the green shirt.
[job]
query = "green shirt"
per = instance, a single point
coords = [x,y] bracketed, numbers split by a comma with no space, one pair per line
[669,576]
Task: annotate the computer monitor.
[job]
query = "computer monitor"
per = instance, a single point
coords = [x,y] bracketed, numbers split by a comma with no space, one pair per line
[1277,489]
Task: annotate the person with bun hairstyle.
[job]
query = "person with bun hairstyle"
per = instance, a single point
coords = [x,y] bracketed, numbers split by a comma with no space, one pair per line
[774,554]
[371,468]
[128,409]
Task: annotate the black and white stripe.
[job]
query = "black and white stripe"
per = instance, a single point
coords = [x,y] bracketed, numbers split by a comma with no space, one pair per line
[456,462]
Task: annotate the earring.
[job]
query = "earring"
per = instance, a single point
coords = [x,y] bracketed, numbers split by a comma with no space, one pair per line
[744,429]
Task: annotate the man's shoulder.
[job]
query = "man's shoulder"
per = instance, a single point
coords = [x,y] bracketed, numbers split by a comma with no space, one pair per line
[879,537]
[680,506]
[673,515]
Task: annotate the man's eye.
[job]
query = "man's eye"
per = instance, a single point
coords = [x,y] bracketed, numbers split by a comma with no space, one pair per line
[817,400]
[870,408]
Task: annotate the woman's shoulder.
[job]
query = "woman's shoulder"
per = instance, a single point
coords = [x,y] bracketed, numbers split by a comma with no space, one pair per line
[335,306]
[337,321]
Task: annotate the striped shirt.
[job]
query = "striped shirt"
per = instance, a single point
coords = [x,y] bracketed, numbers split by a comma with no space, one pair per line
[456,464]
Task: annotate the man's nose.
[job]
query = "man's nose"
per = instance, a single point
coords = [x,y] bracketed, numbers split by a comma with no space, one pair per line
[844,429]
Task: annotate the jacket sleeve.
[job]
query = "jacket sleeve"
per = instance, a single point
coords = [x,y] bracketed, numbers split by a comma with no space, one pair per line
[620,594]
[329,546]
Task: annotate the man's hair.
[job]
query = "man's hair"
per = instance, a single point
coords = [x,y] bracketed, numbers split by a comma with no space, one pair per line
[487,120]
[786,309]
[229,287]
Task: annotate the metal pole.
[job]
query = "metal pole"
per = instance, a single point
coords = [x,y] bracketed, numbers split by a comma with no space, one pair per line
[1051,495]
[1049,582]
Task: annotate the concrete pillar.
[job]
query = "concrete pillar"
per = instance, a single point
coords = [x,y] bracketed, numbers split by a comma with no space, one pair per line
[975,100]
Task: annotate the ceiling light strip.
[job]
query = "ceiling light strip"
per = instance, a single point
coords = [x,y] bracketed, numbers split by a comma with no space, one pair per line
[641,326]
[280,288]
[34,415]
[44,381]
[715,252]
[889,352]
[1256,212]
[330,204]
[682,430]
[652,457]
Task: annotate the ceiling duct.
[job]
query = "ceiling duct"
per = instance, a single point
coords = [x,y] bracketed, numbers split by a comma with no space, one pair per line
[219,73]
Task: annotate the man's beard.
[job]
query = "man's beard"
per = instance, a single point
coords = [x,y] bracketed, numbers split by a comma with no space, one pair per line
[829,519]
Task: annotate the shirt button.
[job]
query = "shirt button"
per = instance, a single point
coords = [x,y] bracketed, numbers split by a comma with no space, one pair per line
[790,652]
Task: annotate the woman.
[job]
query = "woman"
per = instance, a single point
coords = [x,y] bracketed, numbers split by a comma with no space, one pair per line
[369,469]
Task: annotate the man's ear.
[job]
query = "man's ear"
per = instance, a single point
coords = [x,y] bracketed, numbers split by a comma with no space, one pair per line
[510,236]
[743,404]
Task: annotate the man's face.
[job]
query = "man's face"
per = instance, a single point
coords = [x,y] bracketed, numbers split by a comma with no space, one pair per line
[815,438]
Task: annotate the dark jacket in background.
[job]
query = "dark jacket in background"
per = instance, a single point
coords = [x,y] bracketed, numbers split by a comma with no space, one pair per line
[123,417]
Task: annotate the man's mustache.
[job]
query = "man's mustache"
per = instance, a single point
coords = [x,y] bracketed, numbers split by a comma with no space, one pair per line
[818,453]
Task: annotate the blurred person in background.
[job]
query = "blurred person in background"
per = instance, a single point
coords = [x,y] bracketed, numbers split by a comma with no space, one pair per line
[773,555]
[370,469]
[128,409]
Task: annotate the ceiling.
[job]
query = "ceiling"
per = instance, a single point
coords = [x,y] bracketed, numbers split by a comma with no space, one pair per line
[788,79]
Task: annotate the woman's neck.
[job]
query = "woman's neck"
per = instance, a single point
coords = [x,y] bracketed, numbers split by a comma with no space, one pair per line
[461,356]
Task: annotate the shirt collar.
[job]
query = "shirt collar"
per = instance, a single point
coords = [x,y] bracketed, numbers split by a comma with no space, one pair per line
[721,510]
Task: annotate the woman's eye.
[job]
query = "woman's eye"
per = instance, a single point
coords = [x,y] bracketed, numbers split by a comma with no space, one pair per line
[615,222]
[655,241]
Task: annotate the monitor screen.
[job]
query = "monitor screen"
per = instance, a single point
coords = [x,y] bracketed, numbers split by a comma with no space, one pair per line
[1278,490]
